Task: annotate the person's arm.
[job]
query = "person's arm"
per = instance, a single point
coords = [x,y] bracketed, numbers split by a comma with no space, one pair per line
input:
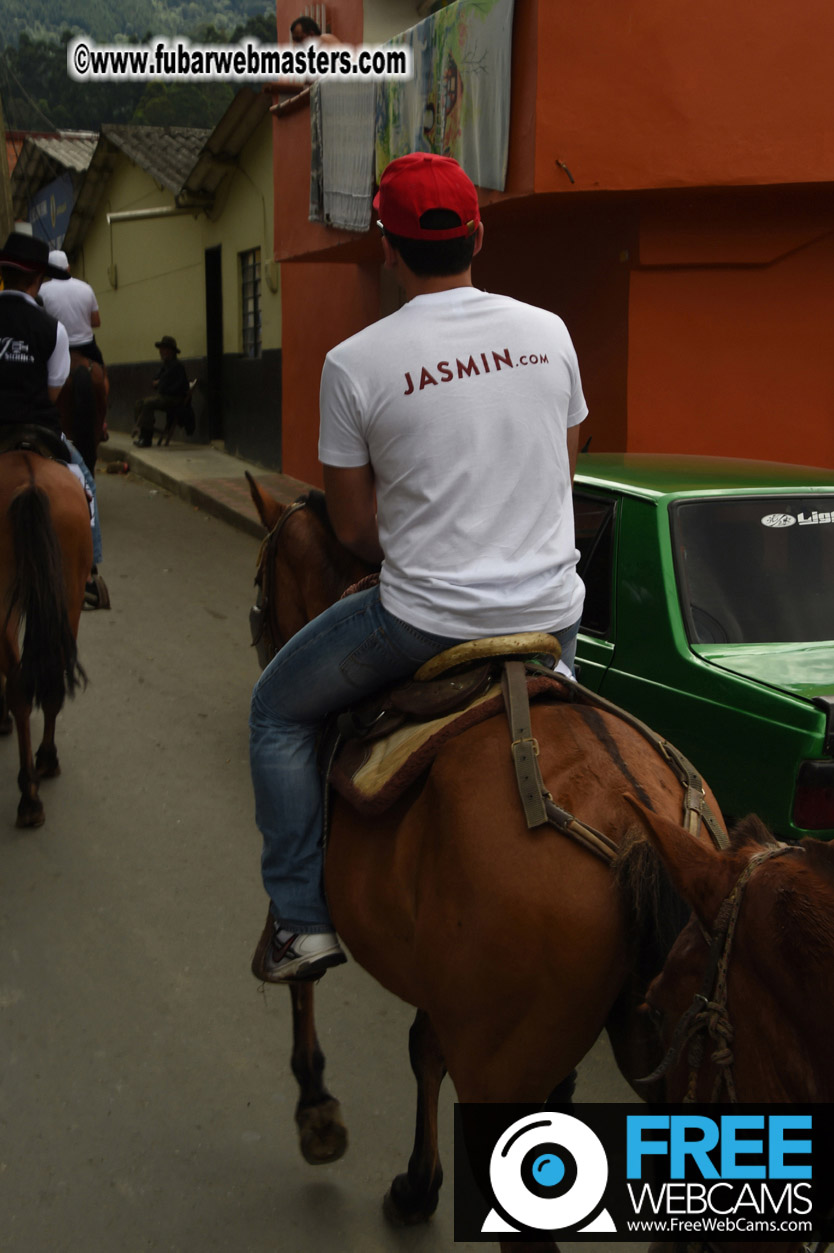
[58,366]
[573,447]
[95,319]
[351,505]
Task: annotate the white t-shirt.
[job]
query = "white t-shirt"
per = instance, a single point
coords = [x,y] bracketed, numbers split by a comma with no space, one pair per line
[461,402]
[73,302]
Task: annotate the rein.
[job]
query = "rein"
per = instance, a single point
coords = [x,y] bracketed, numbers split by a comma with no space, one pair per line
[259,615]
[708,1016]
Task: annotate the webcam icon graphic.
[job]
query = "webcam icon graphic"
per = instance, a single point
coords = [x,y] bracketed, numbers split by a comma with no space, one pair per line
[548,1172]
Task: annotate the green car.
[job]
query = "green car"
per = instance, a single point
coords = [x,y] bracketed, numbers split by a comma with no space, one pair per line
[709,614]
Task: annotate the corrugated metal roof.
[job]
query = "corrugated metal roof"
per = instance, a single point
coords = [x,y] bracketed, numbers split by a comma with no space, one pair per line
[71,149]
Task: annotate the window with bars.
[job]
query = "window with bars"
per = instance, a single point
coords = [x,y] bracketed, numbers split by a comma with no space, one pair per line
[250,291]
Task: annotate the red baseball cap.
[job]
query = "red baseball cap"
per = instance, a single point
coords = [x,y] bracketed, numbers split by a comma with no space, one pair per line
[412,185]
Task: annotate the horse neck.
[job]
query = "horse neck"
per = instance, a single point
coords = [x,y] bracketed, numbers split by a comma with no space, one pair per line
[311,577]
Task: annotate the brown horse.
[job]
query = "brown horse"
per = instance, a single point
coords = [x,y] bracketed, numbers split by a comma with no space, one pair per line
[82,406]
[517,946]
[741,1002]
[753,964]
[45,559]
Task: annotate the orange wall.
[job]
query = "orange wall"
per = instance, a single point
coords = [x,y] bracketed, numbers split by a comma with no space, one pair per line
[572,257]
[657,94]
[733,356]
[322,305]
[701,317]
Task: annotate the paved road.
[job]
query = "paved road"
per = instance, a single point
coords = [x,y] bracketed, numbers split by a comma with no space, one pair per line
[145,1094]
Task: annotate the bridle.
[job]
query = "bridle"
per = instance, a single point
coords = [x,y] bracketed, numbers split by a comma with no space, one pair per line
[260,615]
[708,1017]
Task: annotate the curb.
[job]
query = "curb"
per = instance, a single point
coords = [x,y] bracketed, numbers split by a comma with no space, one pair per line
[178,487]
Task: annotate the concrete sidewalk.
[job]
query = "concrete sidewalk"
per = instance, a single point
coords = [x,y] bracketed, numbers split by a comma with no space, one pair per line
[204,475]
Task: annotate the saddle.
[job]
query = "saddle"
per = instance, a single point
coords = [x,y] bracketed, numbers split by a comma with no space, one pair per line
[383,744]
[28,437]
[375,751]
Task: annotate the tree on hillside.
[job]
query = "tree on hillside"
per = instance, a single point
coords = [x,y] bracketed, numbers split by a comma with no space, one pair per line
[38,94]
[182,104]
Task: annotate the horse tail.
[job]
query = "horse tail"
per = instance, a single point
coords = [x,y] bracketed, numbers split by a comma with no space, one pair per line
[84,415]
[49,663]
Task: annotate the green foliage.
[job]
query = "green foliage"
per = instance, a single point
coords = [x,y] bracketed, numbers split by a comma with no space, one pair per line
[38,94]
[191,104]
[114,21]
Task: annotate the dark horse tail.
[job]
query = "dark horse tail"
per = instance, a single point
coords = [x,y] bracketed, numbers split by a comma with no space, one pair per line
[84,415]
[49,661]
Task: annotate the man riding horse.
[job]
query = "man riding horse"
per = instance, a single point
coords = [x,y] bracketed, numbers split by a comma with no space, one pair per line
[35,363]
[74,303]
[449,435]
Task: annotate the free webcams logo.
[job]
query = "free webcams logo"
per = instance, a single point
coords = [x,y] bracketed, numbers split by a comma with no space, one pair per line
[548,1171]
[669,1171]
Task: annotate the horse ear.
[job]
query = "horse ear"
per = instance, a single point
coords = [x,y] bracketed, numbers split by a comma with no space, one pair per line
[269,510]
[701,875]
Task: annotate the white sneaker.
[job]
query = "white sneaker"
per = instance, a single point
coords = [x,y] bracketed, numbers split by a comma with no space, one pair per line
[283,955]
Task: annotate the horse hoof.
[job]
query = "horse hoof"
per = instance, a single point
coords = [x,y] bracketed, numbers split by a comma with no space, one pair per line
[403,1209]
[30,815]
[96,595]
[47,765]
[322,1134]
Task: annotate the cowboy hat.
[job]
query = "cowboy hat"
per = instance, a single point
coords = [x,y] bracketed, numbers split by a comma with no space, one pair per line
[167,341]
[30,254]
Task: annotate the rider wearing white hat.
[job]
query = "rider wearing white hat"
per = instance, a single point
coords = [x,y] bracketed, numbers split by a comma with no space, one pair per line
[74,303]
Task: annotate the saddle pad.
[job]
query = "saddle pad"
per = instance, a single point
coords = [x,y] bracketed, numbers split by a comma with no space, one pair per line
[372,775]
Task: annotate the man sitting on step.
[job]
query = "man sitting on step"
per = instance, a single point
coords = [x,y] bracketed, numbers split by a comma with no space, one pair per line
[172,391]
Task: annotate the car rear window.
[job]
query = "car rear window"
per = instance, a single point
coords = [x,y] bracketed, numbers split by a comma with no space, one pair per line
[756,570]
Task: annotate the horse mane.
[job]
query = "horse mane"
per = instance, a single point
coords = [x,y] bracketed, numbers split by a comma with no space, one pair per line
[654,911]
[316,502]
[751,830]
[797,913]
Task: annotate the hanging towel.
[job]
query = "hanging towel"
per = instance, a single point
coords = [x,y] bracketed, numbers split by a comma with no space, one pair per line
[342,164]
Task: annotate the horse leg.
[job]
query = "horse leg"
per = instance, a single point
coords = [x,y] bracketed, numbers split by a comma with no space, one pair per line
[47,765]
[322,1134]
[6,720]
[30,808]
[412,1197]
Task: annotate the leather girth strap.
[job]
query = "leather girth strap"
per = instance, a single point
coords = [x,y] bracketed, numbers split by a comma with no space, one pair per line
[539,806]
[538,803]
[524,747]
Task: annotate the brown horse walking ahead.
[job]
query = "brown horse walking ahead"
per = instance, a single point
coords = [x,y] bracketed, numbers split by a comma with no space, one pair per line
[46,551]
[517,946]
[82,406]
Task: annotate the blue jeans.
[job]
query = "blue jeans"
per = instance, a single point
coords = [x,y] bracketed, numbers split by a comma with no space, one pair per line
[352,649]
[78,460]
